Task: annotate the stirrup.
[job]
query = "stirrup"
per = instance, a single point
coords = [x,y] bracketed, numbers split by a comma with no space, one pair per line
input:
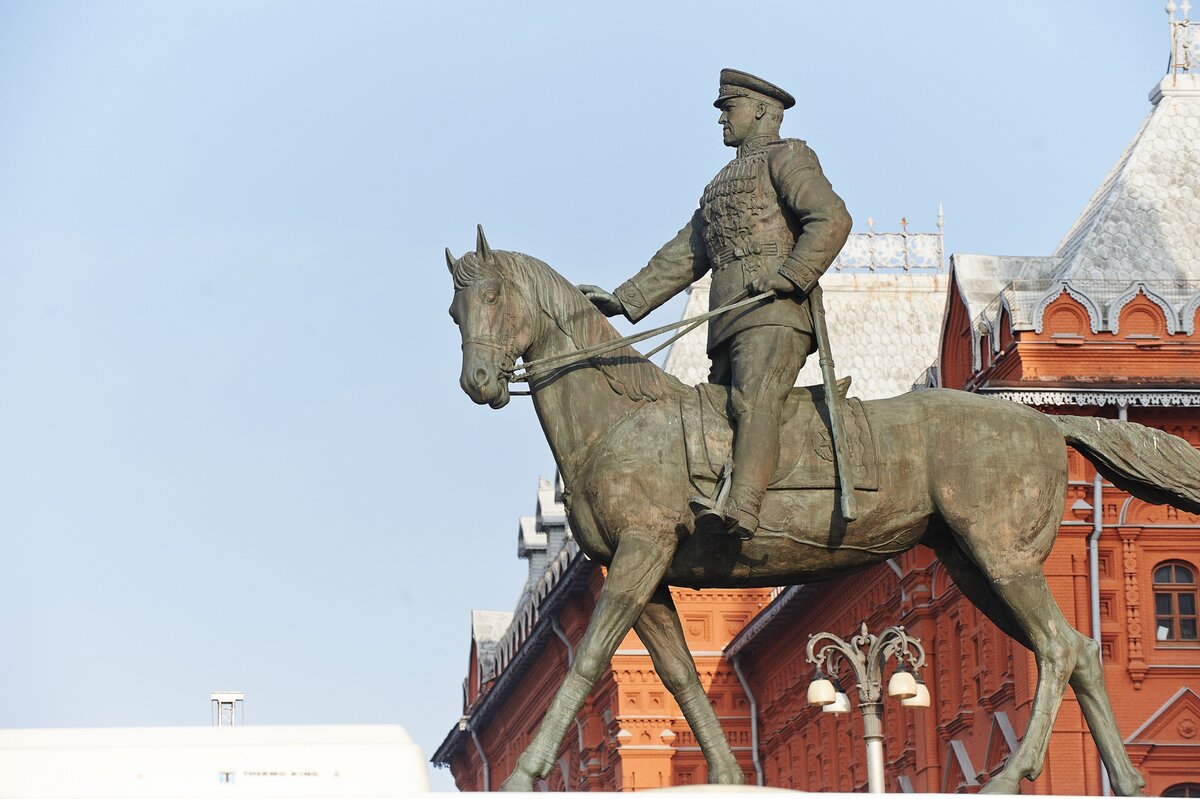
[710,513]
[741,523]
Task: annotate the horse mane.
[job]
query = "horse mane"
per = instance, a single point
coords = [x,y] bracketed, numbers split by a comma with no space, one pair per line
[628,373]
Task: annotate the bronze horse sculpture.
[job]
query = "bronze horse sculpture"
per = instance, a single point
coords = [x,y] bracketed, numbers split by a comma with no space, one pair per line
[951,464]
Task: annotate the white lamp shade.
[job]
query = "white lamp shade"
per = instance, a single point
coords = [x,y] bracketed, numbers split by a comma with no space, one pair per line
[820,692]
[921,699]
[902,685]
[840,704]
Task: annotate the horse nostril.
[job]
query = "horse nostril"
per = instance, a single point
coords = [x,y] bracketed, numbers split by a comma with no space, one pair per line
[481,377]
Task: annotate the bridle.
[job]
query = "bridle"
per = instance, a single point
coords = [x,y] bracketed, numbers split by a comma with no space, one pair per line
[505,343]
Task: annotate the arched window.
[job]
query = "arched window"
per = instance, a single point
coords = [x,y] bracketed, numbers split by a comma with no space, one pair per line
[1183,789]
[1175,603]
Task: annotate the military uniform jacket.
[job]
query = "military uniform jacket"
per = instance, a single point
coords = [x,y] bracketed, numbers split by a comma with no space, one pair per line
[769,209]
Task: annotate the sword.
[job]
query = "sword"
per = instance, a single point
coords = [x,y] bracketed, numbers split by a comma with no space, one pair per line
[841,459]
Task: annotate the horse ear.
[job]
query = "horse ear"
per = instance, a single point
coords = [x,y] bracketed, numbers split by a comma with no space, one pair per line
[449,261]
[481,246]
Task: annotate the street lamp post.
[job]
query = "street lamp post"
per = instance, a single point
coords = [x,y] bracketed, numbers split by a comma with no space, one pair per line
[866,655]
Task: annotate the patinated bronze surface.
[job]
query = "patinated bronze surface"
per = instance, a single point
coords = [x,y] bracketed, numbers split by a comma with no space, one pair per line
[949,462]
[769,221]
[937,468]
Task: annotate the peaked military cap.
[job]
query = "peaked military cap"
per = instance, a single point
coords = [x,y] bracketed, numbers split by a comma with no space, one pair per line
[735,83]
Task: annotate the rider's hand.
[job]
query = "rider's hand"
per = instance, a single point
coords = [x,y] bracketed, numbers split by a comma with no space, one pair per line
[773,282]
[608,304]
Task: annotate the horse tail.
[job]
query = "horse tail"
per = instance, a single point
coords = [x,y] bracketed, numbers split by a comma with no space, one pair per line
[1154,466]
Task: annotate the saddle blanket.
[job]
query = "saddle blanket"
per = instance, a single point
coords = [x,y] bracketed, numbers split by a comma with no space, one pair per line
[806,449]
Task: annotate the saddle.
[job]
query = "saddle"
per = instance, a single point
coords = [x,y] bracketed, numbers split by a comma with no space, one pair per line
[805,451]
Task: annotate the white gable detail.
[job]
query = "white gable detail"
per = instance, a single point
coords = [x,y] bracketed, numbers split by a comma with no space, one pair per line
[1053,294]
[1114,310]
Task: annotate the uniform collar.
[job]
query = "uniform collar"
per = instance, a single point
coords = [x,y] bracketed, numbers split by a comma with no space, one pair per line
[755,143]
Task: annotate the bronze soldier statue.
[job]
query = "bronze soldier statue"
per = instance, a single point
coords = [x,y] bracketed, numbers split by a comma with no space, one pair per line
[769,221]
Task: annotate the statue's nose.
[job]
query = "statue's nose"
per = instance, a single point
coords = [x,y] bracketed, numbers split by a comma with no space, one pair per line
[474,381]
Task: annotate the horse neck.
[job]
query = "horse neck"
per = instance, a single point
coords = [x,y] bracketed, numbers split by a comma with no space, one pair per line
[576,405]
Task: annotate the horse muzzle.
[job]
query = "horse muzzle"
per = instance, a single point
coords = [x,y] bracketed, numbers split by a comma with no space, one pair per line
[483,382]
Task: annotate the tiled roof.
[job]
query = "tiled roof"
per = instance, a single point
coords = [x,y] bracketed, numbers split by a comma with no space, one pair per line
[883,330]
[1143,223]
[1139,232]
[487,628]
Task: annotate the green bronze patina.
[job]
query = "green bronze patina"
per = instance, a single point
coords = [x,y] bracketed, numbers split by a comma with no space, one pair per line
[950,465]
[980,481]
[769,221]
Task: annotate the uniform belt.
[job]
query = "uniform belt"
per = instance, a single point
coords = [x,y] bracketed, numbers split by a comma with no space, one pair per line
[730,254]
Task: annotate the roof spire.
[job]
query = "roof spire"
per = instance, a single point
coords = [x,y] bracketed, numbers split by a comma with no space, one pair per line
[1184,38]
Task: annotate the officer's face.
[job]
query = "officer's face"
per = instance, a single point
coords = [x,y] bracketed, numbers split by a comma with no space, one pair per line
[739,116]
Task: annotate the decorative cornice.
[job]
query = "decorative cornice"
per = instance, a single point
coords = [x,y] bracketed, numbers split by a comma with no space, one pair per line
[1097,396]
[744,639]
[476,716]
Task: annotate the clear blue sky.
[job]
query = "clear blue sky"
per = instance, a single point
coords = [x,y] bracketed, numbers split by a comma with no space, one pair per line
[233,450]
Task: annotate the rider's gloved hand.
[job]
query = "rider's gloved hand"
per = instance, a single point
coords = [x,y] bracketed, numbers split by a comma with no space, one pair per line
[771,281]
[607,302]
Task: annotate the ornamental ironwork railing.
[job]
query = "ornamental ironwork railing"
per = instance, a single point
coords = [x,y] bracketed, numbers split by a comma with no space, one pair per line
[899,253]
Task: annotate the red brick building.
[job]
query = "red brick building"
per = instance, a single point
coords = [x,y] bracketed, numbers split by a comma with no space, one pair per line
[1106,326]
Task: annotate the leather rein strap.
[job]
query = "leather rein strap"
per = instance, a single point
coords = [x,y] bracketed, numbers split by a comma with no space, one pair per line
[536,368]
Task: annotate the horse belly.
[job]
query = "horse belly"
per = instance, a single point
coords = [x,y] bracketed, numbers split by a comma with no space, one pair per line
[810,550]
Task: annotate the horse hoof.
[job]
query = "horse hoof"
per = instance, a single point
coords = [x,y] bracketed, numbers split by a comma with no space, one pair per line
[732,776]
[518,781]
[1003,786]
[1134,787]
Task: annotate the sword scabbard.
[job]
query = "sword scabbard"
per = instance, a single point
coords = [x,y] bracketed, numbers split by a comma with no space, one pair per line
[841,459]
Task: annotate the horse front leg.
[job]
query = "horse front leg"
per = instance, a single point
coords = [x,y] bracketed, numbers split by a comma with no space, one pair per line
[636,570]
[661,632]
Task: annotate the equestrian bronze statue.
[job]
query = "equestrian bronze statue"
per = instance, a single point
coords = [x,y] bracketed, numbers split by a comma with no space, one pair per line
[936,468]
[768,222]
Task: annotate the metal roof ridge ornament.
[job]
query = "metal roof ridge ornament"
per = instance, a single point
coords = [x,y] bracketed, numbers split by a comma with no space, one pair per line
[902,253]
[1183,39]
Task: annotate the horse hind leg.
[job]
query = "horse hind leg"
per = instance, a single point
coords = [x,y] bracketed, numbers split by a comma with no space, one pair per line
[1056,648]
[1086,678]
[661,632]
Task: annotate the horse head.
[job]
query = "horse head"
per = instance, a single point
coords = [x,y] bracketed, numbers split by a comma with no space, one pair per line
[492,317]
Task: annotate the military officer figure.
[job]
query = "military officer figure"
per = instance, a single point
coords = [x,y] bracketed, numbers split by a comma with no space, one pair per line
[769,221]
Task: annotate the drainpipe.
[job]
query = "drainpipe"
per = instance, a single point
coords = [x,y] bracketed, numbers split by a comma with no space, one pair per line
[899,576]
[562,635]
[558,630]
[487,779]
[758,770]
[1094,583]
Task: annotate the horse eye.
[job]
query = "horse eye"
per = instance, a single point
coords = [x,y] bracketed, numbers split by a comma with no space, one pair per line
[490,297]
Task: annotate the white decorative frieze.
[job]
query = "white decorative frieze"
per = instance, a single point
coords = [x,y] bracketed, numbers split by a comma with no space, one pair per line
[1097,397]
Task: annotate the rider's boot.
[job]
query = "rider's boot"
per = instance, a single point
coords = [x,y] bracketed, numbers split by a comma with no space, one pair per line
[755,453]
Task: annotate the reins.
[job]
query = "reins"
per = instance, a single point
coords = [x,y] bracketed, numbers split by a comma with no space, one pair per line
[538,367]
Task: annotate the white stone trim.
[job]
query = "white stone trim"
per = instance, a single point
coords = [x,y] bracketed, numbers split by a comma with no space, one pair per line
[1094,397]
[1114,310]
[1054,293]
[1004,306]
[1162,709]
[1189,315]
[1124,514]
[977,330]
